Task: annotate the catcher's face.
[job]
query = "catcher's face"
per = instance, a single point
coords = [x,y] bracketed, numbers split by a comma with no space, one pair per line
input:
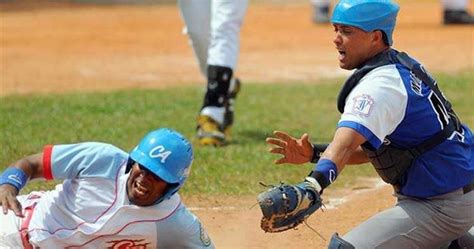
[143,187]
[355,45]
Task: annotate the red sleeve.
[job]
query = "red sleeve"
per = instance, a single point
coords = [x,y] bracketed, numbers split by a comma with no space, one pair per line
[47,152]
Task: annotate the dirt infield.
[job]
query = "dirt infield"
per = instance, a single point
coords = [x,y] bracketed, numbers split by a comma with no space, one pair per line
[235,223]
[88,48]
[63,48]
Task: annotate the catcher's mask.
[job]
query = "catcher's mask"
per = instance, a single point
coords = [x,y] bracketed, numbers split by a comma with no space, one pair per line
[167,154]
[368,15]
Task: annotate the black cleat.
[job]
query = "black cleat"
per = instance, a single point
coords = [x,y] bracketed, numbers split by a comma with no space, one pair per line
[457,17]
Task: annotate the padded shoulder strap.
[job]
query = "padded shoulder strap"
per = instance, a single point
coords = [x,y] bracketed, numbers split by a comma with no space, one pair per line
[379,60]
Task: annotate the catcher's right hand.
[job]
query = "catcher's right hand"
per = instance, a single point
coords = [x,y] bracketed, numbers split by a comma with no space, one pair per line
[287,206]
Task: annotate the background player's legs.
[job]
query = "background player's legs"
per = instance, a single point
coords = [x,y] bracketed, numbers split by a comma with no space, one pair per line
[9,235]
[415,223]
[197,17]
[227,19]
[321,11]
[456,12]
[9,227]
[213,28]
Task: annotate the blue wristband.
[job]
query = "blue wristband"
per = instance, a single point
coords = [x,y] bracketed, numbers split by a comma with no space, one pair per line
[328,169]
[15,177]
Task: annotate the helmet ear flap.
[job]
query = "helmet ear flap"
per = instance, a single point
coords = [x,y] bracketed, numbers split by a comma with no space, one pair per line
[130,163]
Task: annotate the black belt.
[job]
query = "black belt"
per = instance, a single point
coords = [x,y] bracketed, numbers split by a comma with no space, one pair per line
[466,189]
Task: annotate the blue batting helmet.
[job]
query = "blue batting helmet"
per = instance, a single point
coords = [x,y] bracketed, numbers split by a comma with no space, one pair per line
[167,154]
[368,15]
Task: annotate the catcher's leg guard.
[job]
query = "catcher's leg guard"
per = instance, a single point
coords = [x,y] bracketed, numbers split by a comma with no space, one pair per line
[210,122]
[338,243]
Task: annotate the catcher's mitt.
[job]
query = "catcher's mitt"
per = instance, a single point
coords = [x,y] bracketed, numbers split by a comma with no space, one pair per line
[287,206]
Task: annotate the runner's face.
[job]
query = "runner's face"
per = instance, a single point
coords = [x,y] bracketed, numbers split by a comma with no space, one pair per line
[354,45]
[143,187]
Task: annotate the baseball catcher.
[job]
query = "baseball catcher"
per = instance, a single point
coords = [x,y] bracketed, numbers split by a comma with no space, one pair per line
[395,116]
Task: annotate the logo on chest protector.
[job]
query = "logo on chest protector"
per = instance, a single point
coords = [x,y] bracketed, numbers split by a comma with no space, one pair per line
[362,104]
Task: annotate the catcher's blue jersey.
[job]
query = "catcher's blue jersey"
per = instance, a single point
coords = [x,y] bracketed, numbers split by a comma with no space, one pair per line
[391,105]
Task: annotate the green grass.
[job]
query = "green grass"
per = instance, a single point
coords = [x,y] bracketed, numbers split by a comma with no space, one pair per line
[123,117]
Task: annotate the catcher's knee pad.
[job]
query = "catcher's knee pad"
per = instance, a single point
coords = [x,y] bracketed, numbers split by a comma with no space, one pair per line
[338,243]
[218,81]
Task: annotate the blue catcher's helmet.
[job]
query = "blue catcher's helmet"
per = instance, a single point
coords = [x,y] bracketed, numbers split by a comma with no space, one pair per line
[368,15]
[167,154]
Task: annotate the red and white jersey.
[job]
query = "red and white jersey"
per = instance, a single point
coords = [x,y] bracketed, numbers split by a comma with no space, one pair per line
[91,208]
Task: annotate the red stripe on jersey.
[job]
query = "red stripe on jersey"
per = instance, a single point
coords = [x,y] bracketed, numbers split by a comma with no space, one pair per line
[47,152]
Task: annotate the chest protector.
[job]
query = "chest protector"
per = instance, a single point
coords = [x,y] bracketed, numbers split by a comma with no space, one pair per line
[392,163]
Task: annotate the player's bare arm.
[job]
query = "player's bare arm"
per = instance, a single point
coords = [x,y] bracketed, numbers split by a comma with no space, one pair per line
[32,167]
[345,148]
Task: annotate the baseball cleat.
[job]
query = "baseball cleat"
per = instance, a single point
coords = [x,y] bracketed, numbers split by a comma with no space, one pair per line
[209,132]
[457,17]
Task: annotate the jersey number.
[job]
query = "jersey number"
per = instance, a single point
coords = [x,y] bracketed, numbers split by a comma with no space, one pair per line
[439,109]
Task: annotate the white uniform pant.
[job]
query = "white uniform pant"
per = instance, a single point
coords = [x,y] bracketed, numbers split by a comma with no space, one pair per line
[455,4]
[321,3]
[9,231]
[213,27]
[10,225]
